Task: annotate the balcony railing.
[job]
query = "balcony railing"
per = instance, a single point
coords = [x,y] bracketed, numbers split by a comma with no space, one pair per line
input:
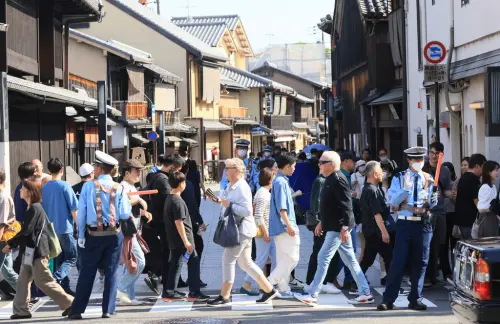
[278,122]
[132,110]
[228,112]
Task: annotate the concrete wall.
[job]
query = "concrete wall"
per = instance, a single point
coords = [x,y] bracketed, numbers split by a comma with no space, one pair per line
[302,88]
[87,61]
[131,31]
[250,99]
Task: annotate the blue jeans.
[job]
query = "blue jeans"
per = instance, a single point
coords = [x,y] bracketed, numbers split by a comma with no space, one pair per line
[347,273]
[66,260]
[331,245]
[128,280]
[7,268]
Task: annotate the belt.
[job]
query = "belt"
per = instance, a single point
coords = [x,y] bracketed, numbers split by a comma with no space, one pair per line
[410,218]
[92,230]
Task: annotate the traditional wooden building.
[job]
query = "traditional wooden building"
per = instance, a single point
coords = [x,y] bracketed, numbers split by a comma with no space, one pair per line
[368,110]
[33,66]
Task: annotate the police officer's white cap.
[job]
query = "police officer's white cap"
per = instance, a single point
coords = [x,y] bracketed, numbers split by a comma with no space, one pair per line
[86,169]
[416,152]
[103,158]
[242,142]
[268,148]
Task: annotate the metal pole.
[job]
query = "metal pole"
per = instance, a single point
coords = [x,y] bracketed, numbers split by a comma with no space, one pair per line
[101,104]
[161,139]
[436,110]
[158,7]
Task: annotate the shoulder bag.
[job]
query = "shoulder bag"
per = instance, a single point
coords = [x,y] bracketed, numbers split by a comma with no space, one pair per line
[54,244]
[226,233]
[495,205]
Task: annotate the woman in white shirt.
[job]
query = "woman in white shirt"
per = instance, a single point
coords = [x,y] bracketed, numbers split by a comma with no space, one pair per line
[488,221]
[265,248]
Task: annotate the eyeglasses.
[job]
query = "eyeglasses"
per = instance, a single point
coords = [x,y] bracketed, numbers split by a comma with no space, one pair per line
[227,168]
[434,153]
[321,162]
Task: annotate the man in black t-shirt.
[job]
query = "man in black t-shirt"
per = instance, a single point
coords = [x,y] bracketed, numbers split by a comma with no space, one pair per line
[374,215]
[467,192]
[179,231]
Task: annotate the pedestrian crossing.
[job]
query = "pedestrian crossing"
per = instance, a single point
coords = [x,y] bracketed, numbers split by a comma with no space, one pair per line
[239,303]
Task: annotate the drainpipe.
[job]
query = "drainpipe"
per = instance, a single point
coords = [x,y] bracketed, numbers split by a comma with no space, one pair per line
[67,23]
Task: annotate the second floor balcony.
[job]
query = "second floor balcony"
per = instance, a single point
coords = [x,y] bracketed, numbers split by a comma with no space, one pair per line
[229,112]
[132,110]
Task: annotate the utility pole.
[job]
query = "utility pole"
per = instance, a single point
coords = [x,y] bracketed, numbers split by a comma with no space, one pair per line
[158,7]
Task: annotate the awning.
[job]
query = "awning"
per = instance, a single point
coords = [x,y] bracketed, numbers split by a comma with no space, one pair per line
[285,139]
[190,141]
[166,76]
[215,125]
[300,125]
[474,65]
[393,96]
[139,138]
[261,131]
[231,84]
[173,139]
[250,122]
[284,133]
[180,128]
[303,99]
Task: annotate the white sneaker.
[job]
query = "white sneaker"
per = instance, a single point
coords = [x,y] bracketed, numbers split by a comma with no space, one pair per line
[286,294]
[329,288]
[123,298]
[135,302]
[306,299]
[296,284]
[362,299]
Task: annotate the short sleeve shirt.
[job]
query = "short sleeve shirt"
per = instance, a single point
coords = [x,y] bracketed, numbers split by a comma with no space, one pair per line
[7,214]
[281,199]
[58,201]
[176,209]
[372,203]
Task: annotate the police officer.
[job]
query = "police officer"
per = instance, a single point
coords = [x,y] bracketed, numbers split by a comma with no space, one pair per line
[254,176]
[100,208]
[240,151]
[411,196]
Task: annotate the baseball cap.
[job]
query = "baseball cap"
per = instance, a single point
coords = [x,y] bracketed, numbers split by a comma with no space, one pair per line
[132,163]
[86,169]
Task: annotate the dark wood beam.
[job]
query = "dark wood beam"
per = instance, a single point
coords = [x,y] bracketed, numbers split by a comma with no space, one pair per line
[46,41]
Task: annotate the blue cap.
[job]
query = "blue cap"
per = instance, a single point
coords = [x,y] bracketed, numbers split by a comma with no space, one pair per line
[416,152]
[242,142]
[268,148]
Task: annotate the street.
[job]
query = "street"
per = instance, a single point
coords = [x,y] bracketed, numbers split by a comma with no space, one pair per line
[333,308]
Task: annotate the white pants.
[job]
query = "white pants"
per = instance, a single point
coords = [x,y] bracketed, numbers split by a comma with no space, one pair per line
[287,258]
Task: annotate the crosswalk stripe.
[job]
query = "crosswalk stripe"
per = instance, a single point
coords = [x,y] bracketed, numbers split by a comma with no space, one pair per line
[163,307]
[402,301]
[6,311]
[334,301]
[247,303]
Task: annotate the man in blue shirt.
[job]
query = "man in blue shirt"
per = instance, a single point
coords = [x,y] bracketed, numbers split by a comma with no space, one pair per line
[60,204]
[412,197]
[99,235]
[283,226]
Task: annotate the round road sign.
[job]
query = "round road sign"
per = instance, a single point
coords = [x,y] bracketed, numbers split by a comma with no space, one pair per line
[152,136]
[434,52]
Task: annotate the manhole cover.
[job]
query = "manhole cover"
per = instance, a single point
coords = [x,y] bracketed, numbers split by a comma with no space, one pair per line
[199,320]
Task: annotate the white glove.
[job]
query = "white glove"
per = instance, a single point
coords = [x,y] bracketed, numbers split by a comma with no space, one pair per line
[81,243]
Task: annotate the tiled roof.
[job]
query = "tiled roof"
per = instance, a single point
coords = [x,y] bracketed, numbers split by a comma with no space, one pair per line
[180,128]
[168,29]
[230,20]
[215,125]
[375,8]
[273,66]
[231,84]
[303,99]
[251,80]
[210,33]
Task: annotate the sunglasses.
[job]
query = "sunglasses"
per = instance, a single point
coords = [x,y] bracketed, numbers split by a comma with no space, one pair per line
[226,168]
[321,162]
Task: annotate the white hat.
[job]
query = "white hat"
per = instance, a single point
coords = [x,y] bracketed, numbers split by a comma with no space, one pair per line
[416,152]
[86,169]
[101,157]
[360,163]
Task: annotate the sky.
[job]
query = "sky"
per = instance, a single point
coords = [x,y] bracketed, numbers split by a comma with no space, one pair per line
[289,21]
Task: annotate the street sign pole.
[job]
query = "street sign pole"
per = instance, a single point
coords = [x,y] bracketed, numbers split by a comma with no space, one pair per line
[437,111]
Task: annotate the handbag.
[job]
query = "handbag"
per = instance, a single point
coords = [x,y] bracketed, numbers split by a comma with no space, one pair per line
[54,244]
[29,252]
[495,205]
[128,226]
[475,227]
[226,233]
[11,231]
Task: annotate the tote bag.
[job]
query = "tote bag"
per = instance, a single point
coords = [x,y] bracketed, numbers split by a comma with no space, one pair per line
[226,233]
[54,245]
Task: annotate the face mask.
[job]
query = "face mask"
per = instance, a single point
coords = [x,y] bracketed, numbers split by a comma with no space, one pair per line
[242,153]
[384,158]
[418,166]
[267,154]
[385,175]
[362,169]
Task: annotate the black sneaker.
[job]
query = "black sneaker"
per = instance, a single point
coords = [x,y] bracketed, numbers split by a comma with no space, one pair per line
[219,302]
[267,297]
[202,284]
[152,285]
[182,284]
[403,292]
[383,281]
[385,306]
[169,297]
[353,290]
[199,297]
[417,306]
[180,293]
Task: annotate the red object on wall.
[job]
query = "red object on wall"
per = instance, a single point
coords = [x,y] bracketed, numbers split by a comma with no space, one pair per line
[215,151]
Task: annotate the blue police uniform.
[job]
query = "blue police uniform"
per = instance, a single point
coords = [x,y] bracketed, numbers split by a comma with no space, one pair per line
[254,175]
[412,233]
[239,143]
[99,246]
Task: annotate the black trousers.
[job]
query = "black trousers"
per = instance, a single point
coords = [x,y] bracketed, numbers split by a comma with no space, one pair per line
[374,245]
[449,245]
[331,274]
[158,259]
[198,244]
[175,268]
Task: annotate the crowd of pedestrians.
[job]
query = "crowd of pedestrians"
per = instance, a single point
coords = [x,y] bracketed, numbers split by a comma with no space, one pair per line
[106,224]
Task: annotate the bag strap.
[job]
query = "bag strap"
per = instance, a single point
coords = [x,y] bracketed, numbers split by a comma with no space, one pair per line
[41,231]
[112,210]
